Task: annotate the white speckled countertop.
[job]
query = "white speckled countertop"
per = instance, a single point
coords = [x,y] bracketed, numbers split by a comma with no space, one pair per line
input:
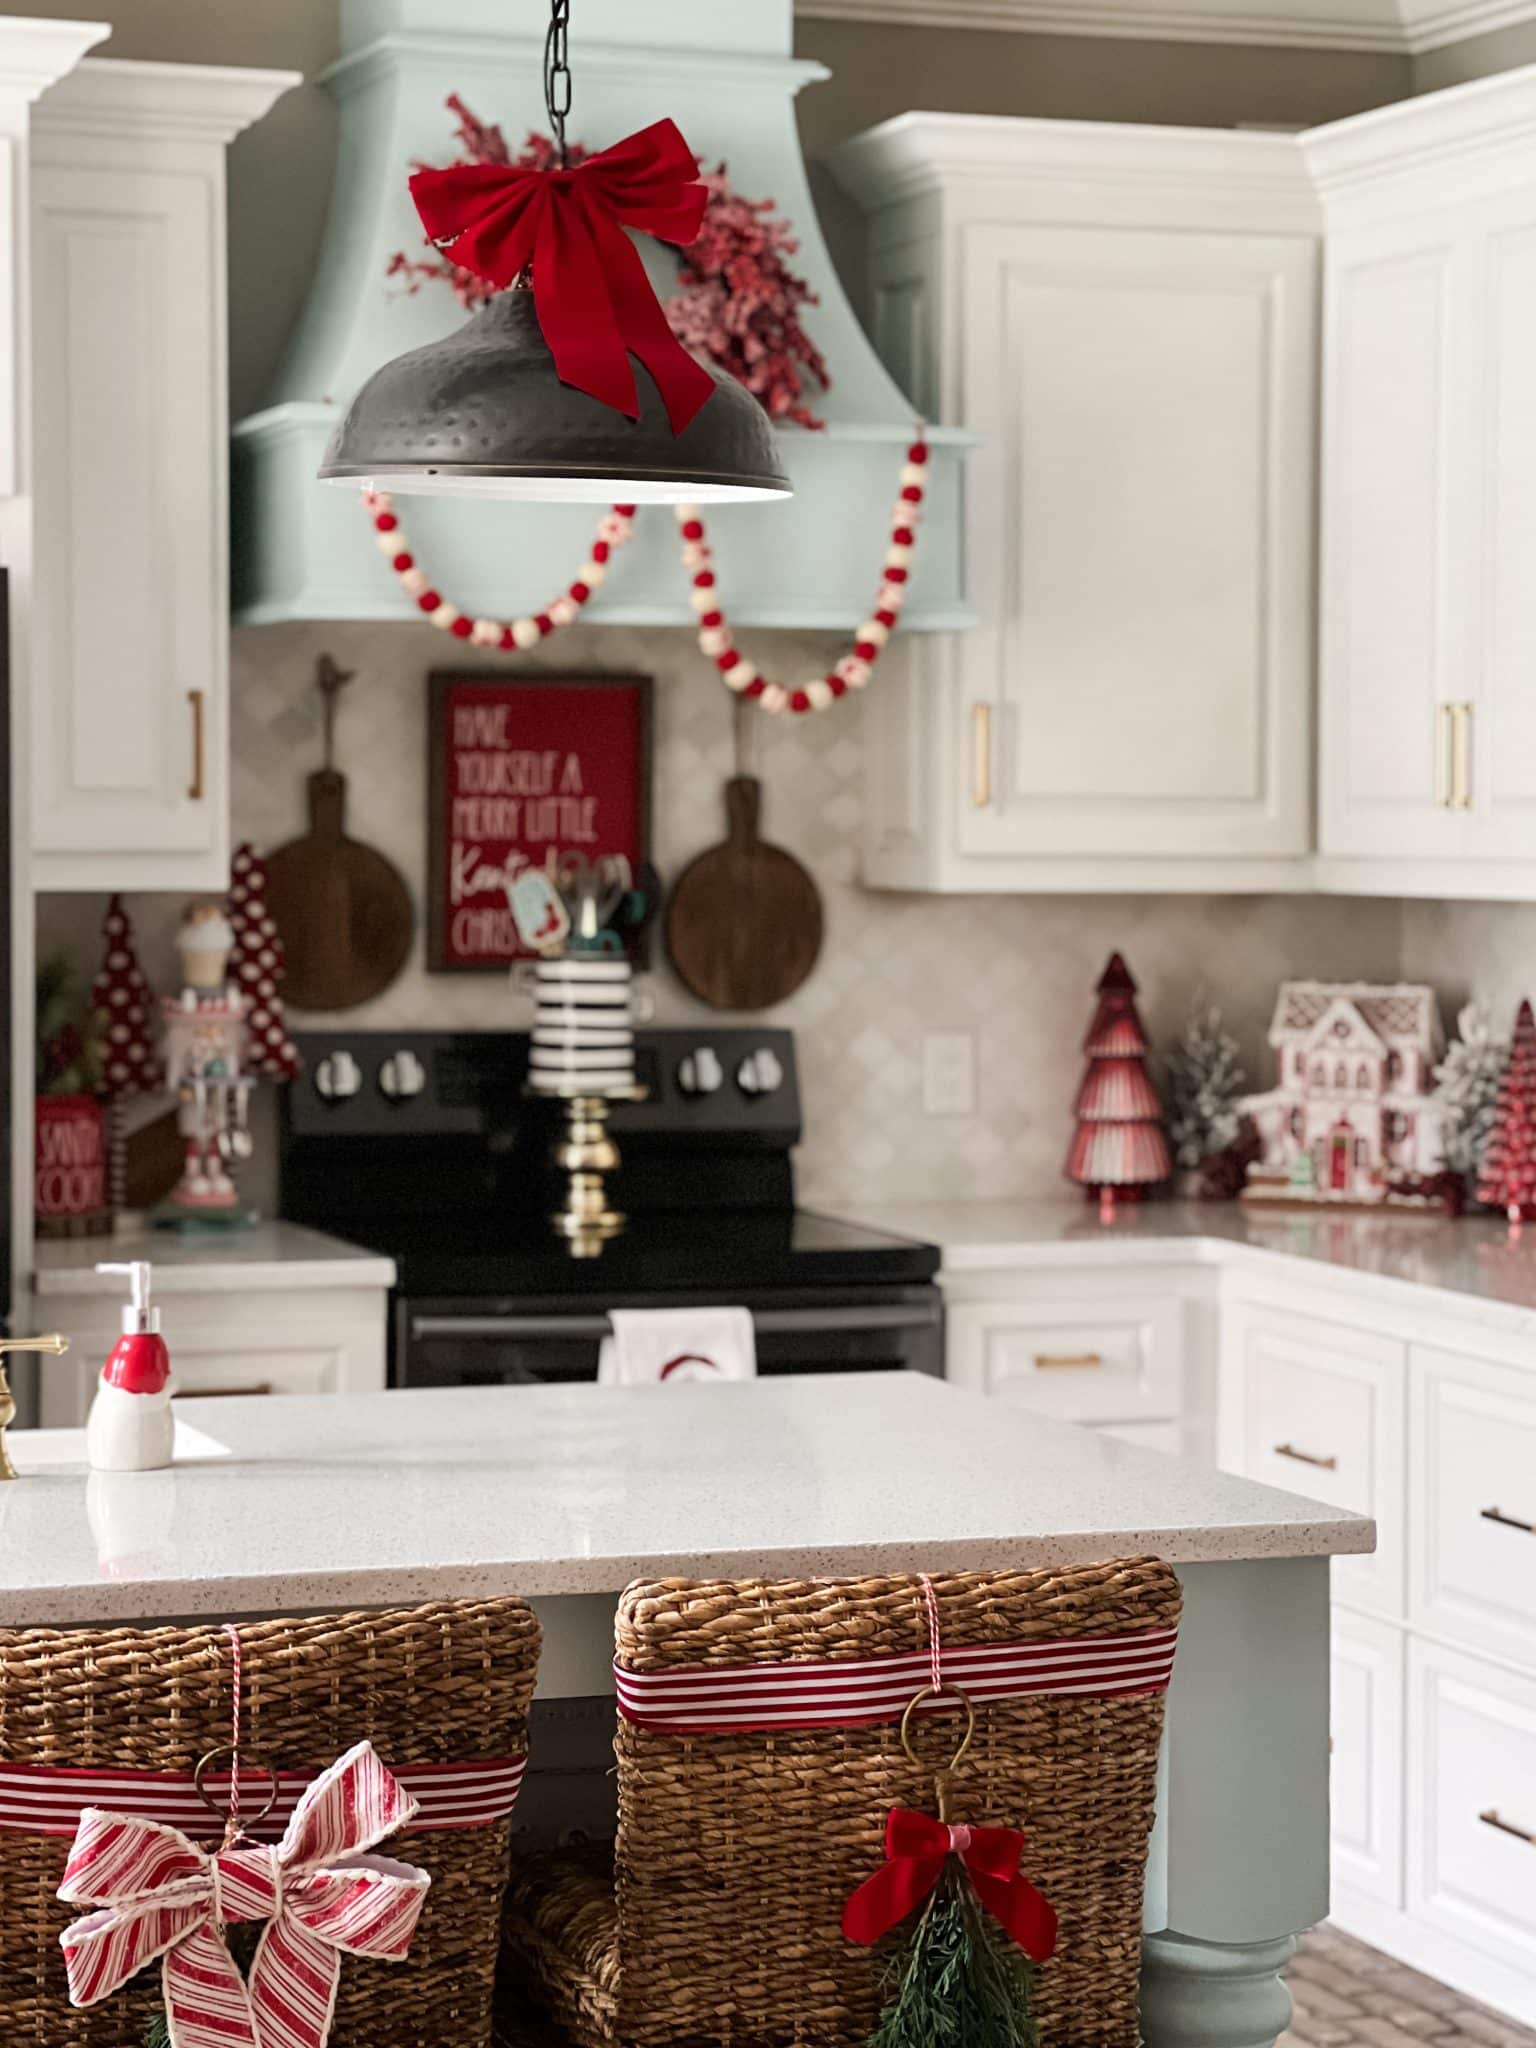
[1471,1257]
[211,1261]
[332,1499]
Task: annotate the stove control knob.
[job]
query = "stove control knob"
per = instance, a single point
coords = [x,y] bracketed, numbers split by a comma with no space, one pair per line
[401,1077]
[699,1072]
[338,1077]
[760,1073]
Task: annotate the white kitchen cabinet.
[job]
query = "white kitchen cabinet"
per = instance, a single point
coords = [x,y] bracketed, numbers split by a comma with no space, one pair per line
[1319,1407]
[1427,608]
[130,613]
[254,1340]
[1128,316]
[1116,1359]
[1366,1729]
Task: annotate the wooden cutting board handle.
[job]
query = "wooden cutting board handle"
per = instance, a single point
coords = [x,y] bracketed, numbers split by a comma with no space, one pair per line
[327,804]
[743,811]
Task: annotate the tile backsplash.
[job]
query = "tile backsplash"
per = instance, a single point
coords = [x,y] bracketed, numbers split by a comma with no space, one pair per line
[1014,972]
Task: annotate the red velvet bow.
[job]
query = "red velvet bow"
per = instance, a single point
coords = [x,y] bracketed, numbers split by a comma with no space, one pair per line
[916,1846]
[593,298]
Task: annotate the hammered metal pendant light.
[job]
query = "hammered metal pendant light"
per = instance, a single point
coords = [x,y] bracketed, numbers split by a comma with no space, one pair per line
[485,413]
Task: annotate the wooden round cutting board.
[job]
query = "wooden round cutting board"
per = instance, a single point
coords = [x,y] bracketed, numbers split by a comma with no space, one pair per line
[744,920]
[342,910]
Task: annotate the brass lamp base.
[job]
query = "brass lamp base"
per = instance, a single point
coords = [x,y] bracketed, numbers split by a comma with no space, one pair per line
[586,1152]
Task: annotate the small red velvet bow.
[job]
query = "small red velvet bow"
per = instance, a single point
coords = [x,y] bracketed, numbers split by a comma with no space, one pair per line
[916,1846]
[590,290]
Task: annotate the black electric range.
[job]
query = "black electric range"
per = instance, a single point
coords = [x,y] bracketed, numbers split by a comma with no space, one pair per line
[425,1146]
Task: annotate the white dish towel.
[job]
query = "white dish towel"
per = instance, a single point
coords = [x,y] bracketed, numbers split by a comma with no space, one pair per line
[650,1346]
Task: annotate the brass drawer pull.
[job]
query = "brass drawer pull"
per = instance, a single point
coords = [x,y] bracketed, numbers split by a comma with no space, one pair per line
[1058,1361]
[1492,1818]
[195,786]
[223,1393]
[1306,1457]
[1443,748]
[1507,1521]
[981,764]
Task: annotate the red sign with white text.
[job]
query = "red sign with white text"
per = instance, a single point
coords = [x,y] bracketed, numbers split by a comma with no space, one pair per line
[525,774]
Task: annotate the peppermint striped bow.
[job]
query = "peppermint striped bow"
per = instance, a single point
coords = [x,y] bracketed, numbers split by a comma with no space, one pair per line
[320,1893]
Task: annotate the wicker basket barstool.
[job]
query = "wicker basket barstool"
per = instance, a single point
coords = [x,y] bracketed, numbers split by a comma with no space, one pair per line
[718,1920]
[449,1683]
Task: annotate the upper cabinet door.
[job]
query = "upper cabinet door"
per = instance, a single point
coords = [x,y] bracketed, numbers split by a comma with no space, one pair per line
[128,661]
[130,623]
[1139,547]
[1398,588]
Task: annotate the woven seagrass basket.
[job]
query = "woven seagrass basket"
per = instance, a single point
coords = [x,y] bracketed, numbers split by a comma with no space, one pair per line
[437,1684]
[719,1922]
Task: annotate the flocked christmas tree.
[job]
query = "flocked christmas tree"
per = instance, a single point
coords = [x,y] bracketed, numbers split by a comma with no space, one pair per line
[1119,1146]
[256,967]
[122,998]
[1205,1085]
[1507,1180]
[1467,1091]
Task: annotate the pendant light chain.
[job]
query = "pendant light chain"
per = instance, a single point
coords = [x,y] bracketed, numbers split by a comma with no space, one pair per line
[557,75]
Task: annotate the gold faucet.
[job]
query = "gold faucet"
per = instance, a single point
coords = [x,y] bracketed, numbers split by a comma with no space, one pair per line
[54,1343]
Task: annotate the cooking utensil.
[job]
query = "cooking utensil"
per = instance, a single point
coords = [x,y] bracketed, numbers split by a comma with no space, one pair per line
[744,923]
[343,911]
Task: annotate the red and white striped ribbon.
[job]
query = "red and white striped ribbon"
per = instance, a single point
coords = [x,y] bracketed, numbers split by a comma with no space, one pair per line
[46,1799]
[864,1692]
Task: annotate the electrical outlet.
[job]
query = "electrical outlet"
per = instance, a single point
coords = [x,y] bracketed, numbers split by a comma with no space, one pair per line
[949,1073]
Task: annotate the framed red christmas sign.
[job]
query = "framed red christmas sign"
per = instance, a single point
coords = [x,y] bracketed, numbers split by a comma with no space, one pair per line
[522,773]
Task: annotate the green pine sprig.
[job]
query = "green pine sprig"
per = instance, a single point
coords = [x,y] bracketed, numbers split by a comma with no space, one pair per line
[960,1983]
[159,2035]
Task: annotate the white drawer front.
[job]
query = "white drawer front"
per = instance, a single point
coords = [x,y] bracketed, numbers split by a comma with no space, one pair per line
[1472,1801]
[1117,1361]
[261,1370]
[1474,1481]
[1318,1408]
[1366,1726]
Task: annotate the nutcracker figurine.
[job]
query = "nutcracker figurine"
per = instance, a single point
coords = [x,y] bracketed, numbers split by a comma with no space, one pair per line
[205,1067]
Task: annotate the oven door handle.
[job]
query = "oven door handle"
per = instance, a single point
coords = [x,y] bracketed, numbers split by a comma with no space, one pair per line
[771,1322]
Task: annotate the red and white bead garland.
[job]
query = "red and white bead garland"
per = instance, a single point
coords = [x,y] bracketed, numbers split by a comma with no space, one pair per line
[855,669]
[613,530]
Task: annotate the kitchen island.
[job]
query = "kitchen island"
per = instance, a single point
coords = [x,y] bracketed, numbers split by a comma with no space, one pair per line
[564,1494]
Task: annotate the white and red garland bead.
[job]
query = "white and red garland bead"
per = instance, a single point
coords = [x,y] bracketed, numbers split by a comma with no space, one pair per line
[613,530]
[855,669]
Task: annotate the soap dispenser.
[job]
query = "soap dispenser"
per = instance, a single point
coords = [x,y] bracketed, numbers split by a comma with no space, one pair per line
[130,1427]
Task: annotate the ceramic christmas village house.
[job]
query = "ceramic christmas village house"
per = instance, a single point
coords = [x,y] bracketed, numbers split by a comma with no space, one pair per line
[1350,1118]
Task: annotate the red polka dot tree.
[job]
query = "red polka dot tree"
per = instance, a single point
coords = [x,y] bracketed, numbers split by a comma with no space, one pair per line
[1119,1147]
[1508,1177]
[257,969]
[131,1060]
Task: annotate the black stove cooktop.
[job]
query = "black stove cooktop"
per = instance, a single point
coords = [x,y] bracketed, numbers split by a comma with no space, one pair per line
[736,1249]
[424,1146]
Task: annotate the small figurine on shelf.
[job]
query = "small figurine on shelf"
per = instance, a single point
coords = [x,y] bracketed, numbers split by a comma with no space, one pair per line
[1204,1086]
[1119,1150]
[1351,1121]
[205,1065]
[1508,1177]
[122,998]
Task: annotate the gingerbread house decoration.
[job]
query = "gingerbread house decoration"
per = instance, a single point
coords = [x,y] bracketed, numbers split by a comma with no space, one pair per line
[1350,1115]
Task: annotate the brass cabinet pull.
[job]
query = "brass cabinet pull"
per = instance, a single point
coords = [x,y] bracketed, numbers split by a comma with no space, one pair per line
[1461,757]
[224,1393]
[1492,1818]
[1507,1521]
[1058,1361]
[981,761]
[1443,751]
[195,786]
[1306,1457]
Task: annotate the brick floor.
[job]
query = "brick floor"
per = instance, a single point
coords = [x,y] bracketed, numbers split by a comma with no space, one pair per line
[1350,1996]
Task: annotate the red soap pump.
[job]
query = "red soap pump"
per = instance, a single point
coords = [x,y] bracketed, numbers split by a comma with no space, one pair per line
[131,1428]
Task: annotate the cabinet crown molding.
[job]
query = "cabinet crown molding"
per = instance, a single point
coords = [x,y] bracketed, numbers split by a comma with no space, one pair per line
[35,54]
[209,103]
[1405,28]
[1439,150]
[1189,176]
